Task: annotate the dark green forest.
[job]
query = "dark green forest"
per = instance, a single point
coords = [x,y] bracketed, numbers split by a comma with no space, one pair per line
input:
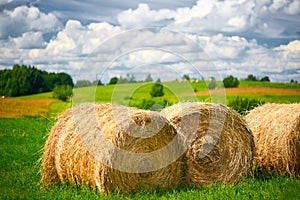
[26,80]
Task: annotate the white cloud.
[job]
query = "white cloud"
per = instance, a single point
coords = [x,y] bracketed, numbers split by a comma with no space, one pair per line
[143,16]
[290,52]
[263,17]
[3,2]
[293,46]
[30,40]
[278,4]
[239,22]
[25,19]
[293,8]
[218,27]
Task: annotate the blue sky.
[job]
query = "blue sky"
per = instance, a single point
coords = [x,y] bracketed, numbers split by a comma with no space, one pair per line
[97,38]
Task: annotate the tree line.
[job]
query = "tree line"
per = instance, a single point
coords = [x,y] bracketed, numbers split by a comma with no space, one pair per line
[26,80]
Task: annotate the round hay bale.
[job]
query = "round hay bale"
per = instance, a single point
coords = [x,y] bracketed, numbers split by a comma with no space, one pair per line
[276,130]
[113,148]
[219,146]
[48,160]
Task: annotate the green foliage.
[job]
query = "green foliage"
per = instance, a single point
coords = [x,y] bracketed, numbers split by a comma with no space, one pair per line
[23,80]
[251,77]
[150,104]
[21,143]
[62,92]
[243,105]
[148,78]
[293,81]
[87,83]
[129,78]
[97,82]
[212,83]
[186,77]
[157,89]
[83,83]
[113,81]
[265,79]
[230,82]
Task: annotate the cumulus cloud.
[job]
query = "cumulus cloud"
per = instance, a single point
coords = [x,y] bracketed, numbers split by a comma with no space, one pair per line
[212,16]
[30,40]
[3,2]
[293,46]
[143,16]
[217,37]
[25,19]
[293,8]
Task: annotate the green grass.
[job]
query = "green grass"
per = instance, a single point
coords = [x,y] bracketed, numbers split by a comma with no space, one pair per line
[21,141]
[44,95]
[269,99]
[57,107]
[122,93]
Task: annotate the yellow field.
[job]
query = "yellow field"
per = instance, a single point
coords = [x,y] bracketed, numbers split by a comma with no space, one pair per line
[19,107]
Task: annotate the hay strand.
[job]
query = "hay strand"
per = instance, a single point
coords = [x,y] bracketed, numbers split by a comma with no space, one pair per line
[276,129]
[219,145]
[112,148]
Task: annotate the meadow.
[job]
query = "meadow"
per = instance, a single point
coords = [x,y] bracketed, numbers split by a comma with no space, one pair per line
[26,121]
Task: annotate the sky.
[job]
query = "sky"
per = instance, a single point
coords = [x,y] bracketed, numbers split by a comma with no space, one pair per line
[97,39]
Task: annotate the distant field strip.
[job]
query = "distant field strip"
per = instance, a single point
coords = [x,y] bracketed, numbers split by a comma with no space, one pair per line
[17,107]
[251,91]
[43,105]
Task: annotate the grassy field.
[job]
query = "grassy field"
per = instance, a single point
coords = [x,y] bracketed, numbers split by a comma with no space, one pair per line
[26,121]
[180,92]
[21,142]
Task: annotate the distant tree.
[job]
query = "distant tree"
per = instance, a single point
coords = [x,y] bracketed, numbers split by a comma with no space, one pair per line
[148,78]
[212,83]
[265,79]
[122,80]
[130,78]
[63,79]
[293,81]
[157,89]
[186,77]
[83,83]
[97,82]
[26,80]
[251,77]
[113,81]
[62,92]
[230,82]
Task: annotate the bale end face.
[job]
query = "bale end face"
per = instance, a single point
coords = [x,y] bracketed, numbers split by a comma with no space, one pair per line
[219,145]
[276,129]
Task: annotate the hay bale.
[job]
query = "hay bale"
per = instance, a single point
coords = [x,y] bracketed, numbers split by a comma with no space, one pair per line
[219,147]
[276,130]
[112,148]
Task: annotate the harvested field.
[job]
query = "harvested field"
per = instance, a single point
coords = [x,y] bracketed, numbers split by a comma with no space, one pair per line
[17,107]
